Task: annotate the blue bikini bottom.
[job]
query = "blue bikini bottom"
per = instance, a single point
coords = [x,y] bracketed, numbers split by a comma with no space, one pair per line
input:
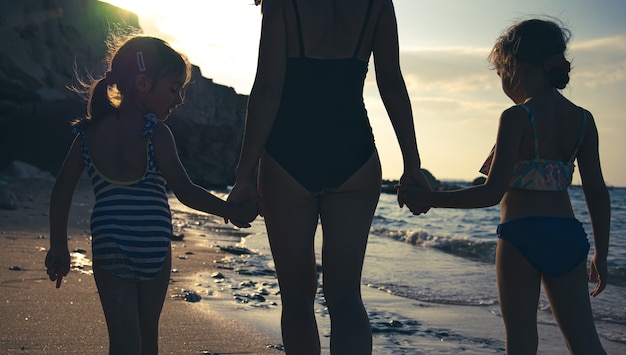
[553,245]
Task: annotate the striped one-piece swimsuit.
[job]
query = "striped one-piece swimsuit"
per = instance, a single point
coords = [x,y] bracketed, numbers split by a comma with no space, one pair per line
[131,222]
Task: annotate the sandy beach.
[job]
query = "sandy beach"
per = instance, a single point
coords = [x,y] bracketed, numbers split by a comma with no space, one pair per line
[39,319]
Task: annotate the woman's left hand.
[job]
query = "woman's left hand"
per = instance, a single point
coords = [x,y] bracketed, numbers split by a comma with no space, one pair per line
[411,190]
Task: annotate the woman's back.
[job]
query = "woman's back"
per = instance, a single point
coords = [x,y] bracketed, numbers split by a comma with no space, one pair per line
[331,29]
[322,92]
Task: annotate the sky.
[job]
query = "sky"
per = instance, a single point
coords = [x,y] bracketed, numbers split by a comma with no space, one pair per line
[456,98]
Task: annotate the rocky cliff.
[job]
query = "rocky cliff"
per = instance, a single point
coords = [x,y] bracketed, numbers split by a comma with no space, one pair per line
[44,42]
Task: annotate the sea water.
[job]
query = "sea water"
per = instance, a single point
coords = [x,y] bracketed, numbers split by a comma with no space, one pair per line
[430,279]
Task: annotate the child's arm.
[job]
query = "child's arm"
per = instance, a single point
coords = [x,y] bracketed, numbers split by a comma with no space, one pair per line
[58,257]
[186,191]
[598,204]
[490,193]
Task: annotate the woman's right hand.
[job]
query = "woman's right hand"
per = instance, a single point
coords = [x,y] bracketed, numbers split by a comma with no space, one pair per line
[244,191]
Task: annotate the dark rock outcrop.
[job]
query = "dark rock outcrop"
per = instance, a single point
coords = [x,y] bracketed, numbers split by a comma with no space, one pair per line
[45,42]
[479,181]
[388,185]
[209,130]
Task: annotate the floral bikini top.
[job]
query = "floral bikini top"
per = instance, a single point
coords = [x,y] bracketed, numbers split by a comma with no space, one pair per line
[541,174]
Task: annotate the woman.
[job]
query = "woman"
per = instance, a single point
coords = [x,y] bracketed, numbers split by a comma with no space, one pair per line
[307,124]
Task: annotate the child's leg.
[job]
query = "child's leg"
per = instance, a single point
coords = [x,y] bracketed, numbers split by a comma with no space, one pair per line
[519,285]
[119,299]
[151,297]
[132,310]
[569,300]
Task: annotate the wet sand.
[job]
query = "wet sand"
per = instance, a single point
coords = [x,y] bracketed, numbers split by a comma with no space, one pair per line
[39,319]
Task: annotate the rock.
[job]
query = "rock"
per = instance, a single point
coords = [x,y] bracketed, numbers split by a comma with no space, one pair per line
[191,296]
[209,130]
[434,183]
[479,180]
[22,170]
[217,275]
[6,107]
[8,200]
[235,250]
[50,94]
[388,185]
[394,324]
[14,90]
[45,41]
[280,347]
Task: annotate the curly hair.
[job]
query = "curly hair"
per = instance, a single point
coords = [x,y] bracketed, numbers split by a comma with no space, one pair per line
[535,41]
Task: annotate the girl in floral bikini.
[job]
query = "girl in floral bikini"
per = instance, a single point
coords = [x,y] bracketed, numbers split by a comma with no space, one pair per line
[529,171]
[130,155]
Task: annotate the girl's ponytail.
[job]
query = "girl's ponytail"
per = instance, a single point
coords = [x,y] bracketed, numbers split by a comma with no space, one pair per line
[99,104]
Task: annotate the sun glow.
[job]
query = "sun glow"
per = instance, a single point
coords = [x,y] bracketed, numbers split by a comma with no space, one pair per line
[220,37]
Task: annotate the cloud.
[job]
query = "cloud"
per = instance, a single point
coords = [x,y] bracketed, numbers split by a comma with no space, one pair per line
[611,42]
[450,83]
[448,70]
[600,61]
[465,70]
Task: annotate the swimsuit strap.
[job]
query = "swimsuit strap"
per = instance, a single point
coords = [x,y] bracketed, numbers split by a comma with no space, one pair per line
[151,121]
[295,8]
[148,130]
[365,21]
[360,41]
[534,127]
[581,136]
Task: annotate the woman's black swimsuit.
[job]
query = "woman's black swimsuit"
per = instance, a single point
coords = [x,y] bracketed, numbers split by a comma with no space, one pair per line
[322,135]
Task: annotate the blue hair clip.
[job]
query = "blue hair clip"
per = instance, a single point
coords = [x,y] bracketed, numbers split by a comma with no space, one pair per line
[140,63]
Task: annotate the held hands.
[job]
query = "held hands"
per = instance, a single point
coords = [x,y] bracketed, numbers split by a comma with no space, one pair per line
[412,191]
[598,273]
[57,264]
[246,212]
[246,196]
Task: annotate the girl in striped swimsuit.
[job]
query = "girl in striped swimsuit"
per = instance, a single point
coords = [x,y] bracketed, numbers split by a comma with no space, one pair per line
[130,156]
